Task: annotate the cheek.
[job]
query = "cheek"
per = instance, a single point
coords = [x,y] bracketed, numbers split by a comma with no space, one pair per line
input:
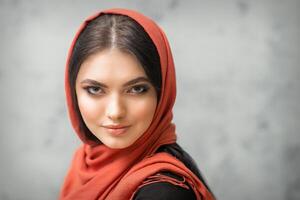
[89,109]
[144,110]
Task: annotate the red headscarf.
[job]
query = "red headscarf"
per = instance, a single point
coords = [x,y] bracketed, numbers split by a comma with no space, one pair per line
[99,172]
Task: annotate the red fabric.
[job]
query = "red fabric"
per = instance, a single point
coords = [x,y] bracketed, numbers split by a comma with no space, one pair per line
[98,172]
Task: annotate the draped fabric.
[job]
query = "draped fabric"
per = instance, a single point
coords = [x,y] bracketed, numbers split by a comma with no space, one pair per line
[99,172]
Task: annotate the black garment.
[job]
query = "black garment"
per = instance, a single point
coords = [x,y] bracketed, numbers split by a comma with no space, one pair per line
[164,191]
[177,151]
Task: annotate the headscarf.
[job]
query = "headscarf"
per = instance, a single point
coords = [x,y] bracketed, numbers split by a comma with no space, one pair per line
[99,172]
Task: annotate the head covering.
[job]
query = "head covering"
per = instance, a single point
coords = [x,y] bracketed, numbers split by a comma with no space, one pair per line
[99,172]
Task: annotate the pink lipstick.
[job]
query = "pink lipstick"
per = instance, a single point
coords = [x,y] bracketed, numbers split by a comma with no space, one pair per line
[116,130]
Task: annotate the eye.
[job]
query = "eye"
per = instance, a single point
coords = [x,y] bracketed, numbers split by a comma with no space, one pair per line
[139,89]
[93,90]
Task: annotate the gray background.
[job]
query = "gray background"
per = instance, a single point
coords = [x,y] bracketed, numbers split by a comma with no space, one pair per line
[238,76]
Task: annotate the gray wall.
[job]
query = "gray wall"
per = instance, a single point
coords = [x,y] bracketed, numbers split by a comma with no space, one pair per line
[238,76]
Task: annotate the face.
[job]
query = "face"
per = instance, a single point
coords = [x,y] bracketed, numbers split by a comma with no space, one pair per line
[115,97]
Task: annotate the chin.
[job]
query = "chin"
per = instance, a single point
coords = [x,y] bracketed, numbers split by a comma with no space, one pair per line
[116,145]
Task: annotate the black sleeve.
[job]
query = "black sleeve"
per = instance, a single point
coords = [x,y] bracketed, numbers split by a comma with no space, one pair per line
[164,191]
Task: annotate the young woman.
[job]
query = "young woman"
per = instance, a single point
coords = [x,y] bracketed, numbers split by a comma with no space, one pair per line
[120,90]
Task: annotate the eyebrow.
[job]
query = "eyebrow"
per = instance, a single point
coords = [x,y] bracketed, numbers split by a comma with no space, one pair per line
[131,82]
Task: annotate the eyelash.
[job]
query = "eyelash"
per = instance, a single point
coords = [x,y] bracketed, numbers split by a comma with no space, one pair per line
[141,89]
[88,89]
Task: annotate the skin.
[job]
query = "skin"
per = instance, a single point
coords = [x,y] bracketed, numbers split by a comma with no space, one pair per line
[113,89]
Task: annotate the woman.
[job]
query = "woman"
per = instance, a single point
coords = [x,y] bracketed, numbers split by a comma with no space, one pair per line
[120,89]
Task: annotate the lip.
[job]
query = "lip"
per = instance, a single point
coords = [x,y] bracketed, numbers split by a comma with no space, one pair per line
[116,130]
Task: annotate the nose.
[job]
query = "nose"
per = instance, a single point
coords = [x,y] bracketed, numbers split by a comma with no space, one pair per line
[116,108]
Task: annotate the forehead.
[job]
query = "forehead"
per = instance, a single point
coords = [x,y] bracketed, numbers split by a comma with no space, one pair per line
[111,64]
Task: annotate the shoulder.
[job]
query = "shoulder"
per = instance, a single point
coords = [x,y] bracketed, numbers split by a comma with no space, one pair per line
[165,190]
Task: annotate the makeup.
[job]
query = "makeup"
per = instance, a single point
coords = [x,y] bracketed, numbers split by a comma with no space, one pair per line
[116,130]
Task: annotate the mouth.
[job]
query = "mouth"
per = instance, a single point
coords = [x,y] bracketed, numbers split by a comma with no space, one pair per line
[116,130]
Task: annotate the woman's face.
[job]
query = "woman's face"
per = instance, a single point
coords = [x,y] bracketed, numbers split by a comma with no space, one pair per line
[115,97]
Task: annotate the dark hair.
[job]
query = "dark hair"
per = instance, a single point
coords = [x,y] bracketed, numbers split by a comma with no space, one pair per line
[121,32]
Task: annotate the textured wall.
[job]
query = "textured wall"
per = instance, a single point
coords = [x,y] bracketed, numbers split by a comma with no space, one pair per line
[237,109]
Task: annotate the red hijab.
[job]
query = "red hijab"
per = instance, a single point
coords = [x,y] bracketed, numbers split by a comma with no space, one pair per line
[98,172]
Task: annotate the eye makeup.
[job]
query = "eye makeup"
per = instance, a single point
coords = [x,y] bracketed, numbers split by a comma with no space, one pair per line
[139,89]
[93,90]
